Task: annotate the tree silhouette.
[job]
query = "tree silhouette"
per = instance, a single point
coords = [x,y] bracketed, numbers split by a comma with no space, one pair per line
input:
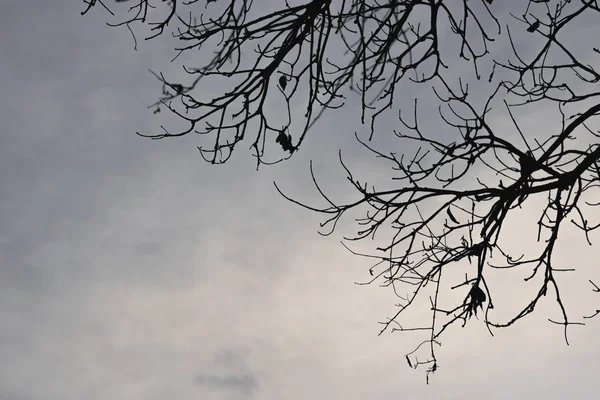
[451,194]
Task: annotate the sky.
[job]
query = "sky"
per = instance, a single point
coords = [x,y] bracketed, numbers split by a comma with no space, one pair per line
[131,269]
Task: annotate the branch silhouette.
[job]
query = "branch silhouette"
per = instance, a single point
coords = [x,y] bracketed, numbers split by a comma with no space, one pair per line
[450,194]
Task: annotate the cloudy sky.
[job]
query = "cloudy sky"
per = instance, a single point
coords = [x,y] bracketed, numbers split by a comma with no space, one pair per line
[131,269]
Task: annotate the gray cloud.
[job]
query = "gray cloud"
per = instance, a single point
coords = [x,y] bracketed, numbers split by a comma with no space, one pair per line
[124,263]
[245,384]
[12,396]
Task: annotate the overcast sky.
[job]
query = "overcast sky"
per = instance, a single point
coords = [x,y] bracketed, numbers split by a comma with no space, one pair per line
[131,269]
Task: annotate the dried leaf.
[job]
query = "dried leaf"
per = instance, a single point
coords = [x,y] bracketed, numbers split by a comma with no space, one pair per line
[527,164]
[533,27]
[285,140]
[282,82]
[476,299]
[452,217]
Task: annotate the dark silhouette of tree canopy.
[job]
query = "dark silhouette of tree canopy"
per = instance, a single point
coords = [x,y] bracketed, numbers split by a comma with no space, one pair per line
[451,193]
